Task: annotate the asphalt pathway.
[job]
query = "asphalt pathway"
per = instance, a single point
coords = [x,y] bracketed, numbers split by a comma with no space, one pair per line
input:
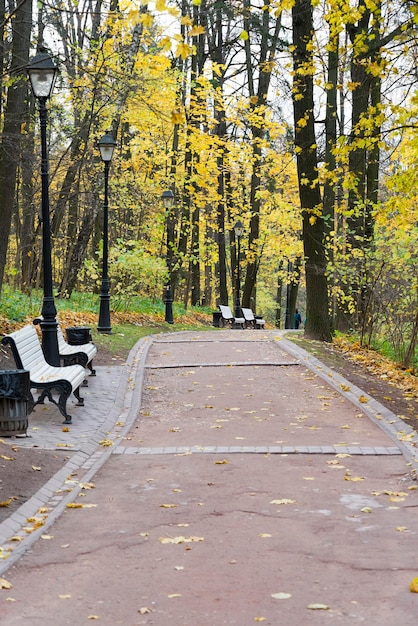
[219,478]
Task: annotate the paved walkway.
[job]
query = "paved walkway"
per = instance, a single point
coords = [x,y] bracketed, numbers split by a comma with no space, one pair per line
[222,477]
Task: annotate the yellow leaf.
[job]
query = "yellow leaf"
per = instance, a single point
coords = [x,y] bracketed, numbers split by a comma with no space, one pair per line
[363,399]
[283,501]
[65,429]
[36,469]
[312,220]
[181,539]
[401,529]
[414,585]
[223,462]
[6,458]
[4,584]
[174,595]
[196,30]
[93,617]
[244,35]
[7,502]
[318,607]
[354,479]
[264,535]
[168,506]
[260,619]
[74,505]
[183,50]
[144,610]
[345,387]
[105,443]
[64,596]
[281,595]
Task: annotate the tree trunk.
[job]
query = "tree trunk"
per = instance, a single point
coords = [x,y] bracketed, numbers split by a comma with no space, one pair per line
[14,116]
[317,316]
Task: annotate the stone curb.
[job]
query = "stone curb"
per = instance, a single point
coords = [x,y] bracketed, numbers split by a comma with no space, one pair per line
[392,425]
[14,539]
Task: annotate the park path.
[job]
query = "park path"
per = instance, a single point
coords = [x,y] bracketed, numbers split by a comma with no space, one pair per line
[252,484]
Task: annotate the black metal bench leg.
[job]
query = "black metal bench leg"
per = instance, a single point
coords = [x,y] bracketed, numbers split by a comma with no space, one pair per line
[92,370]
[80,400]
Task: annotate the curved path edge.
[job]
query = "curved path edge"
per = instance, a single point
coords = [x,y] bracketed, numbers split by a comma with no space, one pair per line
[393,426]
[44,507]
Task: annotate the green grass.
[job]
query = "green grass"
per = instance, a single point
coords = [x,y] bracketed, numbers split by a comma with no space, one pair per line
[16,306]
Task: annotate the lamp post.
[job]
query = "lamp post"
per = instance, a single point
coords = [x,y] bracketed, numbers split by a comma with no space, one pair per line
[168,201]
[287,320]
[42,73]
[106,146]
[239,231]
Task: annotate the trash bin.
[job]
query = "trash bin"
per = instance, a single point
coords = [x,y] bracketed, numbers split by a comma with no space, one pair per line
[14,394]
[216,315]
[78,335]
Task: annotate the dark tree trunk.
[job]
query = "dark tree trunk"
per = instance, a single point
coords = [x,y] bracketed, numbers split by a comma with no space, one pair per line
[14,116]
[317,315]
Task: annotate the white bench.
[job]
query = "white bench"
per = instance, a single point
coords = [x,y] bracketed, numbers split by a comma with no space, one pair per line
[48,379]
[228,318]
[251,320]
[82,354]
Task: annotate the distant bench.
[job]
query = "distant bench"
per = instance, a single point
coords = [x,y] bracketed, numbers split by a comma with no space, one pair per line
[251,320]
[28,355]
[228,318]
[248,319]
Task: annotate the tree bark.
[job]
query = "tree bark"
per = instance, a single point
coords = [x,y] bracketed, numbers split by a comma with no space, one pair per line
[14,116]
[317,316]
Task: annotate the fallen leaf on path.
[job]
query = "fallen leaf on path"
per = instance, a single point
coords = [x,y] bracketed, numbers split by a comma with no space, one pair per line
[7,502]
[223,462]
[260,619]
[6,458]
[363,399]
[318,607]
[264,535]
[281,595]
[36,469]
[345,387]
[168,506]
[283,501]
[353,479]
[105,443]
[174,595]
[181,539]
[414,585]
[65,596]
[4,584]
[144,610]
[401,529]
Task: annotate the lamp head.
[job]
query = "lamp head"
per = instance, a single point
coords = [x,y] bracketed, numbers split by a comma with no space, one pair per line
[168,199]
[42,73]
[239,229]
[106,146]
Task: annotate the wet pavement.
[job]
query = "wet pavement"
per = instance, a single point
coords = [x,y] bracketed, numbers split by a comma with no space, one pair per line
[223,477]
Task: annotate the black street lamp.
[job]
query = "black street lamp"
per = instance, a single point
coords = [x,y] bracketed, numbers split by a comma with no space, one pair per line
[42,73]
[106,146]
[168,201]
[239,231]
